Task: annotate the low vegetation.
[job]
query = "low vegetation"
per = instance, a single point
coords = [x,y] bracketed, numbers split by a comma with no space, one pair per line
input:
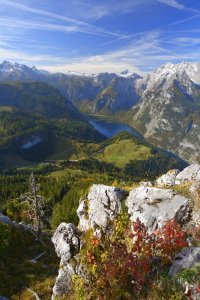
[19,268]
[119,268]
[124,267]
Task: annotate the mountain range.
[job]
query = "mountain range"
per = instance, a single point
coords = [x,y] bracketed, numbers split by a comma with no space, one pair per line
[164,106]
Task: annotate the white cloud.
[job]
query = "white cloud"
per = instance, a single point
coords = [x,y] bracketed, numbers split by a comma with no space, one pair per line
[175,4]
[185,41]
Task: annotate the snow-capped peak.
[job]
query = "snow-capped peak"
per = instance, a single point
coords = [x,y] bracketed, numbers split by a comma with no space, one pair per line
[74,73]
[40,70]
[190,69]
[126,73]
[7,67]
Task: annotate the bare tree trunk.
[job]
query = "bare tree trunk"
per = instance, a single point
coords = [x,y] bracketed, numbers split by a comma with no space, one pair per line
[37,208]
[33,205]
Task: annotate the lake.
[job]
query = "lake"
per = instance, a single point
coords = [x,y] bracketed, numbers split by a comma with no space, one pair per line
[110,129]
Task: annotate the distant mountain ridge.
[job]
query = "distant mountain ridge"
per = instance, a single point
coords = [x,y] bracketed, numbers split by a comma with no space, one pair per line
[164,106]
[88,92]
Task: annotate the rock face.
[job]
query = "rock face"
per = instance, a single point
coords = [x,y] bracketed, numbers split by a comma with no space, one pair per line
[191,173]
[66,240]
[174,177]
[97,212]
[188,258]
[101,207]
[152,206]
[168,179]
[168,105]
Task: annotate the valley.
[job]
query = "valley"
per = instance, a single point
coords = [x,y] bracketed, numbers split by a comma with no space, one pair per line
[74,132]
[163,106]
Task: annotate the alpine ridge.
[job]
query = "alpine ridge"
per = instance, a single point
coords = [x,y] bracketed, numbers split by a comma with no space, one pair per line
[163,106]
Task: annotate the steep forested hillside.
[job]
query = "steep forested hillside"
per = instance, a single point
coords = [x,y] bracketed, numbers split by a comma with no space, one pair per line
[33,115]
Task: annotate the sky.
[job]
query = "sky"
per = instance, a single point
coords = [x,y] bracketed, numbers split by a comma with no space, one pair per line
[94,36]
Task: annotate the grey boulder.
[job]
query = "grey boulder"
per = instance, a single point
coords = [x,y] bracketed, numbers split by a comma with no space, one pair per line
[168,179]
[191,173]
[188,258]
[153,206]
[101,207]
[66,240]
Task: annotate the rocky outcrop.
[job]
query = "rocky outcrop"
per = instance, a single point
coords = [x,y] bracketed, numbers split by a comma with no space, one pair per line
[175,177]
[188,258]
[191,173]
[66,240]
[97,212]
[168,179]
[101,207]
[152,206]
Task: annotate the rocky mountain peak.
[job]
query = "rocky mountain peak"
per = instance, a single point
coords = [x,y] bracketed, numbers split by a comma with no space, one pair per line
[183,72]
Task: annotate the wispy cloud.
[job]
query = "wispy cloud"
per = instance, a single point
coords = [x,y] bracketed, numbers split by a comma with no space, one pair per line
[94,10]
[184,20]
[145,52]
[13,22]
[80,26]
[13,55]
[185,41]
[130,57]
[175,4]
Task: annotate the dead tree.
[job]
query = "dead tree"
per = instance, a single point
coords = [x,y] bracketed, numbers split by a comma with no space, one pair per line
[33,205]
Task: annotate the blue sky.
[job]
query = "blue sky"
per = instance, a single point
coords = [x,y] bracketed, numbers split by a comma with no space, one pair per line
[95,36]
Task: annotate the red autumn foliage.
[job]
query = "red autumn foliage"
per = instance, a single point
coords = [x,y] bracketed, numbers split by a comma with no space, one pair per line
[130,269]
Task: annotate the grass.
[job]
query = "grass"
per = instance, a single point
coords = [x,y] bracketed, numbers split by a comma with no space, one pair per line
[17,270]
[122,152]
[119,153]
